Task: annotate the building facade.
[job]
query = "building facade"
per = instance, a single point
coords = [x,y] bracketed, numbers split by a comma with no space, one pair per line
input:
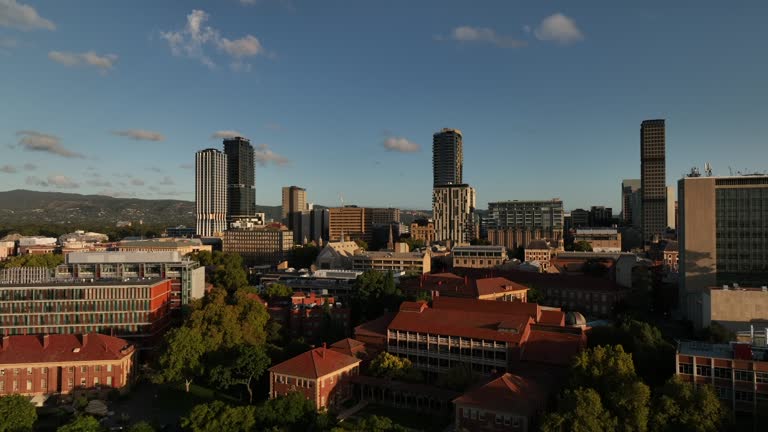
[628,187]
[396,262]
[45,365]
[722,237]
[294,200]
[385,216]
[241,185]
[210,192]
[453,210]
[183,246]
[447,157]
[269,245]
[354,223]
[600,239]
[478,256]
[653,178]
[424,230]
[515,223]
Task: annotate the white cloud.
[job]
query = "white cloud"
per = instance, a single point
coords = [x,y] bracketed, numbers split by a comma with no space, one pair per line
[99,183]
[264,155]
[37,141]
[402,145]
[8,169]
[21,16]
[140,135]
[102,62]
[167,181]
[35,181]
[62,182]
[137,182]
[222,134]
[192,41]
[558,28]
[484,35]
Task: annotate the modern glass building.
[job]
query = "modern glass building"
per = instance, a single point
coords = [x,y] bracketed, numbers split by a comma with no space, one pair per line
[241,184]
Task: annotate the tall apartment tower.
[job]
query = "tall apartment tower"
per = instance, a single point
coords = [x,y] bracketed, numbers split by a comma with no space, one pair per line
[447,157]
[210,192]
[628,187]
[294,200]
[241,185]
[453,209]
[653,178]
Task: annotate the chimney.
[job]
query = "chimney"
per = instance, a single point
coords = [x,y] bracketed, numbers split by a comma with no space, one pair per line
[84,339]
[6,341]
[322,353]
[46,340]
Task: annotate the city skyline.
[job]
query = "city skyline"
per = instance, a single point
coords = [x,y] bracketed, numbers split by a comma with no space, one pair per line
[557,87]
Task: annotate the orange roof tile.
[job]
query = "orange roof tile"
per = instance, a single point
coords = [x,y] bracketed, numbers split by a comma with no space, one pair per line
[62,348]
[315,363]
[508,393]
[376,327]
[494,285]
[552,317]
[552,347]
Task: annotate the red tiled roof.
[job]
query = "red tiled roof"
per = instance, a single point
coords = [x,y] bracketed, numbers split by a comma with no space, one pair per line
[552,317]
[552,347]
[494,285]
[409,306]
[547,280]
[314,363]
[490,306]
[377,327]
[62,348]
[508,393]
[348,346]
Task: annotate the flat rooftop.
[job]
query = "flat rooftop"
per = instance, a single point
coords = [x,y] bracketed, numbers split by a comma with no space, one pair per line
[85,283]
[130,257]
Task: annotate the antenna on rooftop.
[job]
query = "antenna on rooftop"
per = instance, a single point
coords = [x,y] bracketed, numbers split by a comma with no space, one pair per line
[708,169]
[341,198]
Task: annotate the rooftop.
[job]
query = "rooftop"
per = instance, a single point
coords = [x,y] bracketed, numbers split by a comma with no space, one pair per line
[161,243]
[315,363]
[507,393]
[138,257]
[87,282]
[62,348]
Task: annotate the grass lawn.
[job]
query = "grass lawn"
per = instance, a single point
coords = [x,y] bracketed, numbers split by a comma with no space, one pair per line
[411,419]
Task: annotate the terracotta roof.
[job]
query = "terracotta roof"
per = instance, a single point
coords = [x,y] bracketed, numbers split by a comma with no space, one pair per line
[62,348]
[377,327]
[552,347]
[552,317]
[547,280]
[538,245]
[497,284]
[508,393]
[349,346]
[314,363]
[501,307]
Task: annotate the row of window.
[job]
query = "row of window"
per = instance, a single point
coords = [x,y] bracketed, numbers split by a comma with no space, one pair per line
[725,373]
[480,415]
[44,370]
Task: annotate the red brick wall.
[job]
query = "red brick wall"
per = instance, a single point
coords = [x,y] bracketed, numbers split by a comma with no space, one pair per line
[58,378]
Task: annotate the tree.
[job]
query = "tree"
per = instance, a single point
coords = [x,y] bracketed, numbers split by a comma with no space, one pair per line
[293,410]
[681,407]
[217,417]
[579,410]
[81,423]
[362,244]
[535,296]
[44,260]
[375,292]
[17,414]
[248,363]
[386,365]
[718,334]
[277,290]
[303,256]
[225,325]
[479,241]
[582,246]
[141,427]
[458,378]
[376,423]
[223,270]
[414,244]
[182,359]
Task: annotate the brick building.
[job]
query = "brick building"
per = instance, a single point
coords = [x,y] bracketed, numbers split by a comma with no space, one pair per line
[136,308]
[321,375]
[424,230]
[44,365]
[308,315]
[478,256]
[451,285]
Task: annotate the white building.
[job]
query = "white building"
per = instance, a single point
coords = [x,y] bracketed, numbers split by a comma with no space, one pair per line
[210,192]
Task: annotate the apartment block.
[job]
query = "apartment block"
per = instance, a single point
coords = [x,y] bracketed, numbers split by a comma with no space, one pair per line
[516,223]
[354,223]
[600,239]
[653,187]
[453,210]
[269,245]
[396,262]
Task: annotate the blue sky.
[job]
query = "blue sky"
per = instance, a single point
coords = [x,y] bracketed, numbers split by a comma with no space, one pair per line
[115,97]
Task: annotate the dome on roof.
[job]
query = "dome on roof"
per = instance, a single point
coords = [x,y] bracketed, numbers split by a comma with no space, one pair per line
[575,319]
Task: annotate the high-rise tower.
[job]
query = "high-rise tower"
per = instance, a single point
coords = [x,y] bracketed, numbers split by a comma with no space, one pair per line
[294,200]
[447,157]
[241,187]
[653,178]
[210,192]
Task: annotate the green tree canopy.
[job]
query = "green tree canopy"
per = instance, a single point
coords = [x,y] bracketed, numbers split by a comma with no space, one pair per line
[375,292]
[679,407]
[579,410]
[293,411]
[303,256]
[223,270]
[362,244]
[374,423]
[582,246]
[45,260]
[277,290]
[245,364]
[225,325]
[141,427]
[17,414]
[182,358]
[218,417]
[81,423]
[458,378]
[386,365]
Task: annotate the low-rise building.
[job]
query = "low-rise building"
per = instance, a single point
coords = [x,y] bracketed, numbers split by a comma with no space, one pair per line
[45,365]
[451,285]
[307,315]
[269,245]
[7,249]
[183,246]
[396,262]
[600,239]
[37,245]
[541,252]
[337,255]
[479,256]
[321,375]
[736,308]
[424,230]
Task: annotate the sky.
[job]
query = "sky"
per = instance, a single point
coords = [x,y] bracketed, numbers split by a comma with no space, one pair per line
[342,98]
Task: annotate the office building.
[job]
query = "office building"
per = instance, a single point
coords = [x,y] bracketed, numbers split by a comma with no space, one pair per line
[45,365]
[722,237]
[268,245]
[136,308]
[294,200]
[478,256]
[210,192]
[600,216]
[671,207]
[424,230]
[653,179]
[241,186]
[309,226]
[600,239]
[354,223]
[187,277]
[447,157]
[385,216]
[453,210]
[396,262]
[180,231]
[516,223]
[182,245]
[735,308]
[628,187]
[579,218]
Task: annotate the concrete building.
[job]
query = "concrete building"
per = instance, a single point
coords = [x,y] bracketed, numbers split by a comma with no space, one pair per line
[579,218]
[210,192]
[653,178]
[541,252]
[241,173]
[738,370]
[451,285]
[453,210]
[478,256]
[671,207]
[180,231]
[183,246]
[310,226]
[424,230]
[628,209]
[321,375]
[187,277]
[722,237]
[81,236]
[25,275]
[7,249]
[268,245]
[736,308]
[137,308]
[385,216]
[515,223]
[600,216]
[294,200]
[47,365]
[337,255]
[420,262]
[601,239]
[447,157]
[354,223]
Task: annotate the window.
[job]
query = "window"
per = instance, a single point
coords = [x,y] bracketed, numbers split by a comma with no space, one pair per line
[465,412]
[95,381]
[83,369]
[16,371]
[29,371]
[761,377]
[482,416]
[71,369]
[109,368]
[742,396]
[703,370]
[15,386]
[70,383]
[29,385]
[45,370]
[97,368]
[723,373]
[2,372]
[109,381]
[322,400]
[723,392]
[82,382]
[498,419]
[743,375]
[516,422]
[44,384]
[686,369]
